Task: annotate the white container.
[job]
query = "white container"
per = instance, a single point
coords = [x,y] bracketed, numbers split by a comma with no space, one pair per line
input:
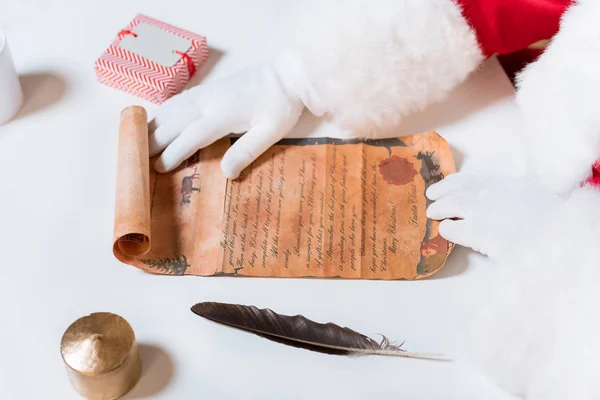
[11,95]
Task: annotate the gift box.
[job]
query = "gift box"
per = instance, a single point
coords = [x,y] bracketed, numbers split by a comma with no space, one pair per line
[151,59]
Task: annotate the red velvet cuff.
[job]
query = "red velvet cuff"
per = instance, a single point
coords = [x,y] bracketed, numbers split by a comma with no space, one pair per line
[505,26]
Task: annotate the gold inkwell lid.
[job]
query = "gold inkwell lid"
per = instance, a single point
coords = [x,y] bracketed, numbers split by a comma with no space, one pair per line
[101,356]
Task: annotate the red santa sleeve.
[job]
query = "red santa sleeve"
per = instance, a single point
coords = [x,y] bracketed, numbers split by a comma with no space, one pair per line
[367,64]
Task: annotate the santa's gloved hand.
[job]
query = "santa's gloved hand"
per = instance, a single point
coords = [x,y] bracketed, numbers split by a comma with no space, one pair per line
[262,101]
[490,213]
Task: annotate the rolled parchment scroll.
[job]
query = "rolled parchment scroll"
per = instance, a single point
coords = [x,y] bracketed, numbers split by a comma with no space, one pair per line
[312,207]
[132,203]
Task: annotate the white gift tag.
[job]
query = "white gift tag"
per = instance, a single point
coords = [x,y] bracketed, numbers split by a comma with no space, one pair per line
[155,44]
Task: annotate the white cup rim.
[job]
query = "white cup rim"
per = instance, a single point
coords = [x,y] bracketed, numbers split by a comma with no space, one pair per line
[2,40]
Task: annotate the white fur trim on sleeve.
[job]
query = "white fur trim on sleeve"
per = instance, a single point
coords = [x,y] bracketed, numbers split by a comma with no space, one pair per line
[368,63]
[559,96]
[538,328]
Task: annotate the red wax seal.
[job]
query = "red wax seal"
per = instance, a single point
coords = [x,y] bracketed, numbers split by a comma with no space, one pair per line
[397,170]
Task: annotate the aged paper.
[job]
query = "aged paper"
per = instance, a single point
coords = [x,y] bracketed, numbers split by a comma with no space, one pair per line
[305,208]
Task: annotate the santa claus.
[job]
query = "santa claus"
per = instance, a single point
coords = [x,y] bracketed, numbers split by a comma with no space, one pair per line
[366,64]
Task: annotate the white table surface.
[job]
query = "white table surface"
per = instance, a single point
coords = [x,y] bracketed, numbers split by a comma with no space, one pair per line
[57,178]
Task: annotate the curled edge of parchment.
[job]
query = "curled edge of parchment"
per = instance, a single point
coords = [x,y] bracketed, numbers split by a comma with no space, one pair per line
[132,237]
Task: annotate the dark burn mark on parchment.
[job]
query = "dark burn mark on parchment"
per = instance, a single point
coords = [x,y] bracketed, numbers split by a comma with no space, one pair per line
[431,248]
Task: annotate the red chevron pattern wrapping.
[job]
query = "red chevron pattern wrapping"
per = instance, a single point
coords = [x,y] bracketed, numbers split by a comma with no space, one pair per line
[129,72]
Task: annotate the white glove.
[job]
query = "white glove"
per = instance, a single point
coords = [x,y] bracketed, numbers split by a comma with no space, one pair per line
[259,101]
[493,212]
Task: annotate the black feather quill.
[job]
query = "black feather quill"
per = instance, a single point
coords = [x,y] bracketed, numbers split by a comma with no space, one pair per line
[299,331]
